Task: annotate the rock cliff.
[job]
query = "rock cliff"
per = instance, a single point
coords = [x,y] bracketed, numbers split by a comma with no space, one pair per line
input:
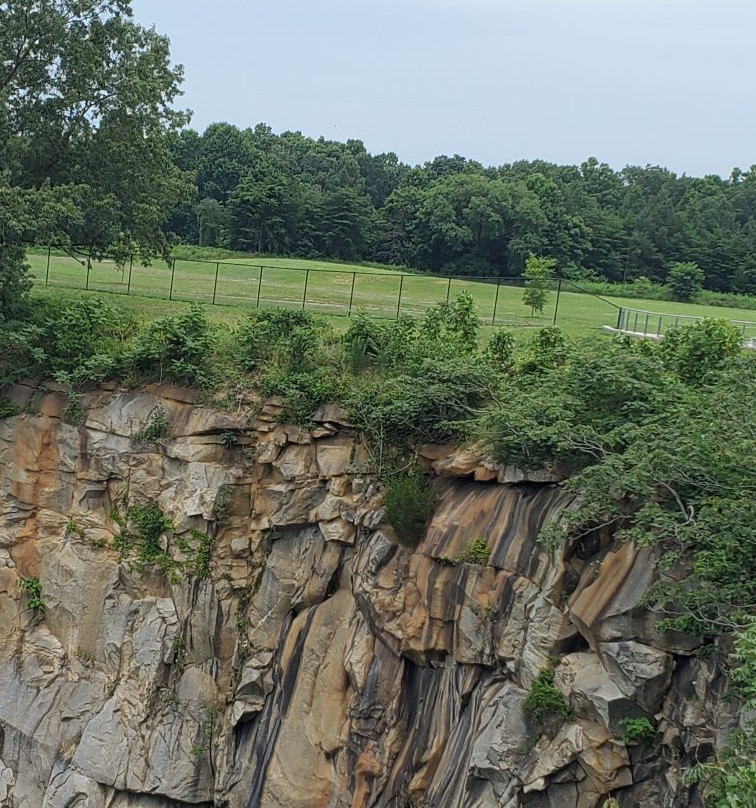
[309,659]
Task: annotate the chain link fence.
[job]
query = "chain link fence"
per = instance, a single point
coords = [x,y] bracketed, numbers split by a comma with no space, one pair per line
[333,291]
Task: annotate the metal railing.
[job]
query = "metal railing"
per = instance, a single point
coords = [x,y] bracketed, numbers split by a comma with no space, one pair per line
[653,325]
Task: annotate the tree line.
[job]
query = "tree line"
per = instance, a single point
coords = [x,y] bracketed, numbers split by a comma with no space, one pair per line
[288,194]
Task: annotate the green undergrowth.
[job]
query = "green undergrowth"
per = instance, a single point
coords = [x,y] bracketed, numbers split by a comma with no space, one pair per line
[7,408]
[657,438]
[637,730]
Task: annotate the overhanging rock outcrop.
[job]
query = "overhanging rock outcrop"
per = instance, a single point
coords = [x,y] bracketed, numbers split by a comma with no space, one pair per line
[312,660]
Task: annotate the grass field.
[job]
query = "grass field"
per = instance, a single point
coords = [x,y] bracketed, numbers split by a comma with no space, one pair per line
[336,289]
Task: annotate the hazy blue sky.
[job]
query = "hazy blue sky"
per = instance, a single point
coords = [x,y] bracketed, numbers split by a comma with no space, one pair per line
[669,82]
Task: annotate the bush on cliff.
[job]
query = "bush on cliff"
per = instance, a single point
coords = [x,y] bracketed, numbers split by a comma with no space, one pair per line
[544,699]
[409,502]
[288,337]
[175,349]
[66,341]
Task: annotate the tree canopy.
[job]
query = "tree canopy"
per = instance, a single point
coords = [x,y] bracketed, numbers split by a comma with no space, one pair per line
[87,105]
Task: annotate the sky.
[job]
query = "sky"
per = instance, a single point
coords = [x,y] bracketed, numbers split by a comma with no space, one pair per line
[631,82]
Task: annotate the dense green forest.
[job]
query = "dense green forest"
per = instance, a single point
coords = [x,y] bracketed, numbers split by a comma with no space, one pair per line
[292,195]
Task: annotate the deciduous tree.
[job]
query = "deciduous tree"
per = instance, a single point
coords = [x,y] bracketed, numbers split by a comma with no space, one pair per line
[538,274]
[86,105]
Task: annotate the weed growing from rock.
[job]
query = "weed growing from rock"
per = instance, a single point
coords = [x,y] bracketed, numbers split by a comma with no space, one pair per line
[476,552]
[544,699]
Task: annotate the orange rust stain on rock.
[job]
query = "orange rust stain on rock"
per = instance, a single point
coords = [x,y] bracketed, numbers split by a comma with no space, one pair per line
[368,767]
[37,457]
[26,557]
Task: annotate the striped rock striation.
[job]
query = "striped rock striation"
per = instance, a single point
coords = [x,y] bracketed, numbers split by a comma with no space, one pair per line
[315,661]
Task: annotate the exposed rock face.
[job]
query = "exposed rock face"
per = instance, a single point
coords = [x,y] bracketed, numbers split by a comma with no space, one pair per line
[319,663]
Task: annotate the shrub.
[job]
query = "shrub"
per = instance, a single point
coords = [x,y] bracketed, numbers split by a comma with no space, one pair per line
[158,426]
[544,699]
[198,552]
[695,350]
[500,349]
[302,393]
[548,349]
[453,321]
[729,781]
[476,552]
[643,287]
[15,281]
[744,675]
[429,402]
[379,342]
[73,413]
[78,330]
[72,341]
[409,502]
[176,349]
[21,354]
[203,553]
[538,275]
[637,730]
[288,336]
[139,535]
[149,524]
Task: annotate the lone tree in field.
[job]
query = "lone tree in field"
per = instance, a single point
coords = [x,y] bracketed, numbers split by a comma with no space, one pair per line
[538,273]
[685,280]
[86,113]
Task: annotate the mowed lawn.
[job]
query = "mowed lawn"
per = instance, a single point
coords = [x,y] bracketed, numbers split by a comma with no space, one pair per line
[338,289]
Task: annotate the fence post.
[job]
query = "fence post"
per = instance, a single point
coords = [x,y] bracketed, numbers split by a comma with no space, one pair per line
[89,266]
[399,299]
[47,273]
[215,285]
[351,296]
[259,286]
[496,301]
[556,305]
[645,325]
[131,266]
[304,294]
[173,273]
[620,318]
[448,288]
